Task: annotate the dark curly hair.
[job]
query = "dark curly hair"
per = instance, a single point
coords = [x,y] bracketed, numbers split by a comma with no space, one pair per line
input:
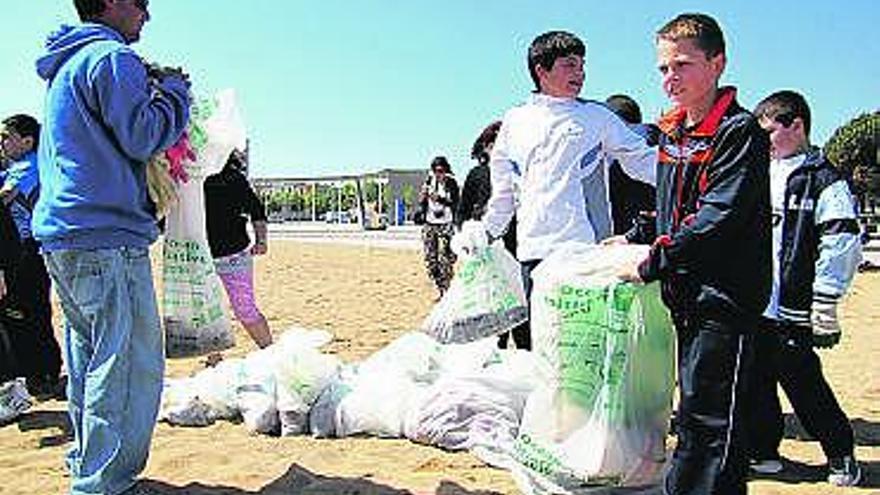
[485,140]
[441,162]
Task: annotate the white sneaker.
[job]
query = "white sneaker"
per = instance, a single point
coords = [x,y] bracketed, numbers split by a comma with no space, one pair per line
[14,400]
[766,466]
[844,471]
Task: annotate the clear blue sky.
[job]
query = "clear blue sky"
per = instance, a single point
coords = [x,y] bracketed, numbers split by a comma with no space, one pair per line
[342,86]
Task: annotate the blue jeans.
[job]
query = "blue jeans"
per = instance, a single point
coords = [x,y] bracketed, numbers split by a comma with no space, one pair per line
[115,361]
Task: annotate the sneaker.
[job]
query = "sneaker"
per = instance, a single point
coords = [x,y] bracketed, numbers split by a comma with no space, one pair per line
[14,400]
[844,471]
[766,466]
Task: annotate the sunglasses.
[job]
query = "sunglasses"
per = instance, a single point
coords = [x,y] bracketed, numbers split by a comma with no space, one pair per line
[785,119]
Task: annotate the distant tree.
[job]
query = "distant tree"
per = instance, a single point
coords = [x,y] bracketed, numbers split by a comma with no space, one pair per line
[410,197]
[349,196]
[371,190]
[274,200]
[855,148]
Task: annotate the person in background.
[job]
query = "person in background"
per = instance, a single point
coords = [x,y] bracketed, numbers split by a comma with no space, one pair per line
[475,194]
[477,186]
[629,198]
[19,188]
[229,203]
[439,195]
[104,119]
[816,250]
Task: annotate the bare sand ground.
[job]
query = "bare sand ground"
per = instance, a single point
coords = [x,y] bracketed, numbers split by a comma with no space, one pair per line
[366,297]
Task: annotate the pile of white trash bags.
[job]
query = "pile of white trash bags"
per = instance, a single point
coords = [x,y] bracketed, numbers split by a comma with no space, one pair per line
[455,396]
[586,410]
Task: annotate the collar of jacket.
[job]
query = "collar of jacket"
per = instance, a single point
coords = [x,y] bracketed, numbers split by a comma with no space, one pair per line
[672,123]
[814,159]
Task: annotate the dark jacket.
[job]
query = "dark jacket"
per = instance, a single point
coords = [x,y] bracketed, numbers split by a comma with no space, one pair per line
[474,195]
[712,249]
[472,204]
[630,197]
[807,217]
[229,202]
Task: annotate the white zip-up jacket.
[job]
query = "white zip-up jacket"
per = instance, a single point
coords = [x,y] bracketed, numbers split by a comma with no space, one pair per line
[549,165]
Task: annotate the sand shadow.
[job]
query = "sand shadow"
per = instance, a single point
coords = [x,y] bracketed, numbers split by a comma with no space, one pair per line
[44,420]
[867,433]
[300,481]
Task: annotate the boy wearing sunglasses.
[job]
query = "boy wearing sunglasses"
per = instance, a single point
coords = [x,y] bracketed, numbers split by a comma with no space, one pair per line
[816,250]
[105,117]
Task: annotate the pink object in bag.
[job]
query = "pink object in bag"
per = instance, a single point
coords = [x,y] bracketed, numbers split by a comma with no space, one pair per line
[179,153]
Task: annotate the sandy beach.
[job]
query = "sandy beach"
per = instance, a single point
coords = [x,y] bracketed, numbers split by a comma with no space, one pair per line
[366,296]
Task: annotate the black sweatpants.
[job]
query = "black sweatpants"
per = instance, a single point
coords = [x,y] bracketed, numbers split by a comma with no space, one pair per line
[710,457]
[39,353]
[784,354]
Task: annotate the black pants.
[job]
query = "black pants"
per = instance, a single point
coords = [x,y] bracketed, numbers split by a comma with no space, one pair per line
[710,457]
[39,354]
[522,333]
[784,354]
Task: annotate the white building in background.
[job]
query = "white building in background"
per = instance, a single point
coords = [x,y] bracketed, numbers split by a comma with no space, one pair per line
[398,188]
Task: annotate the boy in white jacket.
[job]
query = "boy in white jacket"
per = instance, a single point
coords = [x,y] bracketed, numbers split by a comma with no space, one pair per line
[548,163]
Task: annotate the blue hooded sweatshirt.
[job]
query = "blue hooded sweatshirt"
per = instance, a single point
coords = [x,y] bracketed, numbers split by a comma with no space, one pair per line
[104,118]
[23,176]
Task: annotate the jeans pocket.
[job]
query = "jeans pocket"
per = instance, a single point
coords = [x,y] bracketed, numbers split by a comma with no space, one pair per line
[135,253]
[79,278]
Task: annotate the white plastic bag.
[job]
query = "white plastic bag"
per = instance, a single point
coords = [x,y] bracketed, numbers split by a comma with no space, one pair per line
[14,400]
[605,352]
[485,298]
[255,393]
[463,413]
[301,373]
[193,315]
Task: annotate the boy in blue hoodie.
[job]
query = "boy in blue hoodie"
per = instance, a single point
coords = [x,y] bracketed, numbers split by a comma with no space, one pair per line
[104,118]
[19,186]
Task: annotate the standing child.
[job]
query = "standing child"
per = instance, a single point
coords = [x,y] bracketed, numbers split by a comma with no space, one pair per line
[816,250]
[712,255]
[547,165]
[229,203]
[19,188]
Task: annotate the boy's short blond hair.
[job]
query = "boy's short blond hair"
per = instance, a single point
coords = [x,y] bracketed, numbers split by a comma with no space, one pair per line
[701,28]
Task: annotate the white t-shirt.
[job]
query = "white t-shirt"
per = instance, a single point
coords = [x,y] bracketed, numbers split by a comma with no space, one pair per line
[438,213]
[779,172]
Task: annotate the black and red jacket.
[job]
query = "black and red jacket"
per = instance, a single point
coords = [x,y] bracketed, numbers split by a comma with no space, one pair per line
[711,248]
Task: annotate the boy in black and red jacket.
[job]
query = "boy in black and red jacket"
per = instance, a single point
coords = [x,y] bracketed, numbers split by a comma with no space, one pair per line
[710,252]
